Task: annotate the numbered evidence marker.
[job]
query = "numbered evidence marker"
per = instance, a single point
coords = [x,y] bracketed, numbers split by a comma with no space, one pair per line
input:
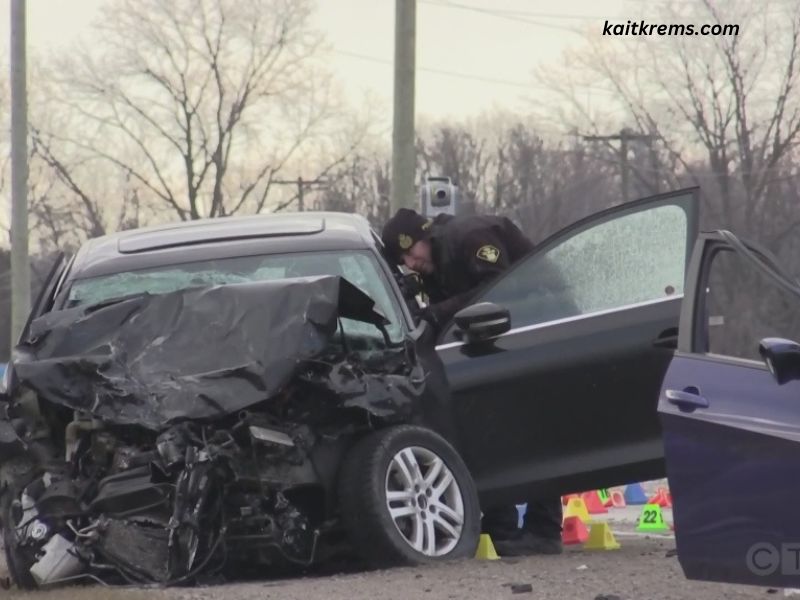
[576,507]
[485,550]
[601,538]
[604,496]
[651,519]
[634,494]
[618,499]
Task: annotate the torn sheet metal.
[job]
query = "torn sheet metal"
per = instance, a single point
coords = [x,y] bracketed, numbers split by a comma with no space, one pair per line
[197,353]
[381,394]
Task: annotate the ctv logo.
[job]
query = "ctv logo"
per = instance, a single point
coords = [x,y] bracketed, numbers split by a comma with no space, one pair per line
[766,559]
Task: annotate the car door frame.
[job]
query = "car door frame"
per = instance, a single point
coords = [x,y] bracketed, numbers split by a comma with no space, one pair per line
[708,243]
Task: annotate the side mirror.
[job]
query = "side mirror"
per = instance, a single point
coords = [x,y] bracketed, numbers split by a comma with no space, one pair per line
[483,321]
[782,358]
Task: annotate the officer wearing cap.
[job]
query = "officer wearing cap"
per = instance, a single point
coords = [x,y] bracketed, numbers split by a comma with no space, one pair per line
[454,256]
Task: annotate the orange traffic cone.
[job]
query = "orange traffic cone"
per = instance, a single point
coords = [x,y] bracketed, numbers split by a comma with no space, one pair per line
[575,531]
[655,498]
[661,497]
[593,503]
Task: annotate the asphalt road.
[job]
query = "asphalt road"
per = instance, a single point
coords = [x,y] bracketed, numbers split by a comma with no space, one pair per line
[643,568]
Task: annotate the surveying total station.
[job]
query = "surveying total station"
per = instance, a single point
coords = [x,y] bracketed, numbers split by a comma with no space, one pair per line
[438,195]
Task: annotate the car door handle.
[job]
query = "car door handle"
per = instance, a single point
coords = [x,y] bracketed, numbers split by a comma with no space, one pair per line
[686,400]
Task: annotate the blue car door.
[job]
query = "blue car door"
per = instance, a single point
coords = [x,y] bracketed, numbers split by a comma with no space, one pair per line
[730,413]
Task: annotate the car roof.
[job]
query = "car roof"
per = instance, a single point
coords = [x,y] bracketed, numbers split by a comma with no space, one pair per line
[207,239]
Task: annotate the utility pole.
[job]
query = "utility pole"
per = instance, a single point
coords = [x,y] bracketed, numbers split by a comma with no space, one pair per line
[624,136]
[404,161]
[655,166]
[300,203]
[20,269]
[301,186]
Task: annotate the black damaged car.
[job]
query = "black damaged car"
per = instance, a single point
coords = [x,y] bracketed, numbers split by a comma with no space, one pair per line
[194,399]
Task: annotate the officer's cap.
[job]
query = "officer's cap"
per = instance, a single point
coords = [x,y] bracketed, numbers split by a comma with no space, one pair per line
[402,231]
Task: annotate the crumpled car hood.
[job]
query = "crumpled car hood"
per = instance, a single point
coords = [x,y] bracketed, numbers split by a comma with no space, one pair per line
[197,353]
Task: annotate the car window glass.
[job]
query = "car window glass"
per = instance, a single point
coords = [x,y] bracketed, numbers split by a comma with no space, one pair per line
[633,258]
[359,268]
[743,306]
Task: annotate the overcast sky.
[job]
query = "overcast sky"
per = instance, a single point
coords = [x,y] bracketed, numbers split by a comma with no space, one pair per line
[482,51]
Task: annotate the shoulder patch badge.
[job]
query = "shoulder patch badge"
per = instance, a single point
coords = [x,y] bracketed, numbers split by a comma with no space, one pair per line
[427,224]
[405,241]
[488,253]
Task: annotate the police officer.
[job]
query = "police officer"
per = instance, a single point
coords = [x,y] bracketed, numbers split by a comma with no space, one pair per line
[455,255]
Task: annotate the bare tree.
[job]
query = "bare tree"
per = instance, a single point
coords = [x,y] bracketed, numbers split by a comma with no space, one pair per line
[65,197]
[70,198]
[505,166]
[54,214]
[456,152]
[724,109]
[724,113]
[548,186]
[201,103]
[361,186]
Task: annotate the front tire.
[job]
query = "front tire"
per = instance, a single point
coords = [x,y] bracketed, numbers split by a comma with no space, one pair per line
[407,498]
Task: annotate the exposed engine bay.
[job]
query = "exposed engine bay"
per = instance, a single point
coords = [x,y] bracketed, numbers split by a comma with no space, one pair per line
[169,444]
[161,509]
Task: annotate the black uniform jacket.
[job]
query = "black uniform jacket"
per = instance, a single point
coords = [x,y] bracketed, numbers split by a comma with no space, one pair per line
[468,251]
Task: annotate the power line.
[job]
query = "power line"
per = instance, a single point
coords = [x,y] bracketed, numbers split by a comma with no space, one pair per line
[441,71]
[470,76]
[493,13]
[538,15]
[516,14]
[519,13]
